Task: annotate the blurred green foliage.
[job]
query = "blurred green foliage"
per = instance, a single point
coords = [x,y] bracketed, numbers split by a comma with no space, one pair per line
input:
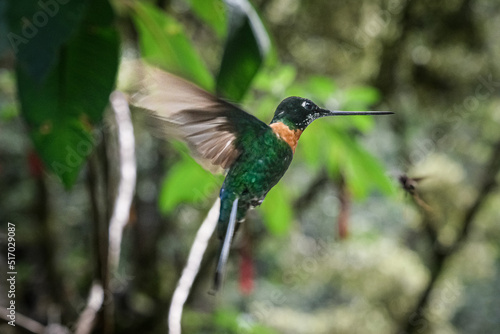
[164,43]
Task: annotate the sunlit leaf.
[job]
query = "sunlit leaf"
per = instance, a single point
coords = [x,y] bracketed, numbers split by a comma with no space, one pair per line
[321,87]
[265,108]
[360,97]
[211,12]
[284,77]
[8,108]
[336,151]
[277,81]
[164,43]
[226,319]
[186,182]
[246,46]
[376,176]
[362,171]
[231,321]
[362,123]
[277,210]
[311,146]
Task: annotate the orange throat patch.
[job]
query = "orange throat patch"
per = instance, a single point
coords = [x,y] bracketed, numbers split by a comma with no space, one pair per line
[291,137]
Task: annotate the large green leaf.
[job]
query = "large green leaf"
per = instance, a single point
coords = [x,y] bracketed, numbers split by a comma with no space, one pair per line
[4,29]
[186,182]
[38,29]
[246,46]
[321,87]
[164,43]
[61,109]
[211,12]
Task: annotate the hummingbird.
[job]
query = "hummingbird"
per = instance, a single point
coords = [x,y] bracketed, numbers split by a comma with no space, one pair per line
[223,137]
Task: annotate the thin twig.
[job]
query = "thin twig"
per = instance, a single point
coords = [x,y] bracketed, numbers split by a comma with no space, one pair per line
[23,321]
[126,187]
[488,184]
[87,318]
[191,269]
[124,196]
[99,245]
[109,257]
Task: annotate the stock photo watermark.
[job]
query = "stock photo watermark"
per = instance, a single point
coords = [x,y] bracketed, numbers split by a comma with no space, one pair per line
[30,26]
[11,273]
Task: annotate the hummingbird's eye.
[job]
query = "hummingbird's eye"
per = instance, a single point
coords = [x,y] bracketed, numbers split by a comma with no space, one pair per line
[308,105]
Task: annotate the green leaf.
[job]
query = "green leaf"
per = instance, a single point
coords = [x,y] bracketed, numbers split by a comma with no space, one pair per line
[321,87]
[164,43]
[277,211]
[362,123]
[38,29]
[211,12]
[363,172]
[359,98]
[246,47]
[61,109]
[64,147]
[226,319]
[186,182]
[368,172]
[333,146]
[4,29]
[230,321]
[8,106]
[311,146]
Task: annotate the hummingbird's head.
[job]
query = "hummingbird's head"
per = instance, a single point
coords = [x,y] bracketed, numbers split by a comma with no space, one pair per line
[297,112]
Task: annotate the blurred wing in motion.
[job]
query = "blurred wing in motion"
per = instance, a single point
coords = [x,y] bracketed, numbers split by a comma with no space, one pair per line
[211,127]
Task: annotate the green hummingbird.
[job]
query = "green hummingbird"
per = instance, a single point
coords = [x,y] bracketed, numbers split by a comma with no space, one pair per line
[223,137]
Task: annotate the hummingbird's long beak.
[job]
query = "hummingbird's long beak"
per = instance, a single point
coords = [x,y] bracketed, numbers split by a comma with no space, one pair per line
[326,112]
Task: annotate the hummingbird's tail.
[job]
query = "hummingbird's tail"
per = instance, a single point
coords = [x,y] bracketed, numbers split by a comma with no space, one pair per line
[224,249]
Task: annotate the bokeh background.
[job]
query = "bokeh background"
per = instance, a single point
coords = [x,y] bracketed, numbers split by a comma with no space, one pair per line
[381,225]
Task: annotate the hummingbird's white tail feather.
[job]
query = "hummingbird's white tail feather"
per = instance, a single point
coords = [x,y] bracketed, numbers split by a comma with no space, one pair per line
[226,245]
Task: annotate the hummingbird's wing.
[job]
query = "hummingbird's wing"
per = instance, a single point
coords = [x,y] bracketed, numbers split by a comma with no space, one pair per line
[212,128]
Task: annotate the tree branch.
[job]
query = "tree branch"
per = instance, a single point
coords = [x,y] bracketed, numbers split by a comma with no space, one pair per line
[126,186]
[191,269]
[87,318]
[109,237]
